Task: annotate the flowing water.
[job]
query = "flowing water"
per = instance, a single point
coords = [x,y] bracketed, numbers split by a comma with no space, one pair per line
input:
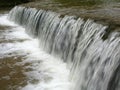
[77,55]
[23,66]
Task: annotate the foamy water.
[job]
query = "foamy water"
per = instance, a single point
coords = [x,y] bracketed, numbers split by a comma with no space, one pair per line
[47,72]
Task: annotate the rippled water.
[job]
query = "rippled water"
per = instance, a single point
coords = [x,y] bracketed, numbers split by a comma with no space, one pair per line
[23,66]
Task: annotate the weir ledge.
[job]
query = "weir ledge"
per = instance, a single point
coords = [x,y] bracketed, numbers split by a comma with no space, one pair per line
[105,14]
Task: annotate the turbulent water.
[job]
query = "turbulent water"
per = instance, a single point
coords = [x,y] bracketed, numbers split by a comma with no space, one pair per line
[24,66]
[94,62]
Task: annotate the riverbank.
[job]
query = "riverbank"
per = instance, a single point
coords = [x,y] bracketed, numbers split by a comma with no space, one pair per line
[7,5]
[10,3]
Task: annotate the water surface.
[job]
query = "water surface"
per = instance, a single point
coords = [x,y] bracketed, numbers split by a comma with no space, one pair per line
[23,66]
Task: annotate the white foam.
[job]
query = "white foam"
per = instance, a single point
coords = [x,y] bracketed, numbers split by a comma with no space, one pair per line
[5,21]
[50,72]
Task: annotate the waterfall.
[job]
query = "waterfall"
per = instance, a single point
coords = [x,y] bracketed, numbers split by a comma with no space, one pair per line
[94,62]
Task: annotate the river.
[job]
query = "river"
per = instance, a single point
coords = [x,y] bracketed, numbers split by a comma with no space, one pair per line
[23,66]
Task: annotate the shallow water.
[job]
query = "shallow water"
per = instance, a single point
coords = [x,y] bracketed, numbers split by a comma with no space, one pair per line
[24,66]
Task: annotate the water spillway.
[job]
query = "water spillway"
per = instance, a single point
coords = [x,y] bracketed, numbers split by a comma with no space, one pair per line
[94,62]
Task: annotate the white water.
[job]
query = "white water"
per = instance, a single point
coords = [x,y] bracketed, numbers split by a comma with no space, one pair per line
[94,60]
[50,72]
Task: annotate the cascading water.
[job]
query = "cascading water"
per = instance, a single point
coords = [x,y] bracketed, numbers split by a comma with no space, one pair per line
[94,62]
